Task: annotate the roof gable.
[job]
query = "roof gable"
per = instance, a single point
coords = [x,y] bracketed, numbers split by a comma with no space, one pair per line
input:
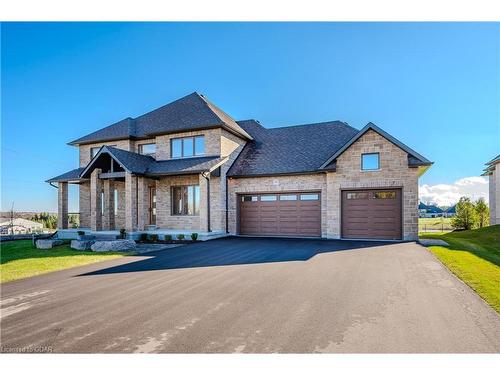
[414,158]
[192,112]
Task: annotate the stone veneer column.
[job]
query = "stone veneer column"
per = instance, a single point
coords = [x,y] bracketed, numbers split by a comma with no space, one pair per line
[143,202]
[108,217]
[203,183]
[95,200]
[130,202]
[62,206]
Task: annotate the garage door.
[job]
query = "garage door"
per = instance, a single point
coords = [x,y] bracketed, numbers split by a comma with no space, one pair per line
[281,214]
[372,214]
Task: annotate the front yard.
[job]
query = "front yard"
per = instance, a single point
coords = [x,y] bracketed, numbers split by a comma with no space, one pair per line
[474,256]
[19,259]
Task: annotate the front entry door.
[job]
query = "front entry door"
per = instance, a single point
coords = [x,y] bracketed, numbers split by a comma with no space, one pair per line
[152,206]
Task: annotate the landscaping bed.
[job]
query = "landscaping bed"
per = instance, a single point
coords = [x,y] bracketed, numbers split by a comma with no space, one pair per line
[167,239]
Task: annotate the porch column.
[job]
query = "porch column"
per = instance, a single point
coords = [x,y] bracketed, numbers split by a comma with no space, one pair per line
[108,220]
[62,206]
[95,200]
[143,202]
[131,202]
[204,210]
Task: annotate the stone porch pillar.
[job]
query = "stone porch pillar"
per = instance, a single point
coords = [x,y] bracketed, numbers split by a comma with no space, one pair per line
[108,217]
[204,209]
[143,201]
[131,212]
[62,206]
[95,200]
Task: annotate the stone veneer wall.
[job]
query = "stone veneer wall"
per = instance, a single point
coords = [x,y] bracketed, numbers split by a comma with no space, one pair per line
[164,217]
[120,211]
[84,202]
[394,172]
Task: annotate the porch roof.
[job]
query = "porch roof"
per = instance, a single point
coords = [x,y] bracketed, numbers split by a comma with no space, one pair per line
[73,175]
[145,165]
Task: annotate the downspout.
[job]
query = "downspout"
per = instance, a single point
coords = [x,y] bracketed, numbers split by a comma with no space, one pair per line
[207,177]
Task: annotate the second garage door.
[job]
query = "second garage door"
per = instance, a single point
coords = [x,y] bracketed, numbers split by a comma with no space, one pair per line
[281,214]
[372,214]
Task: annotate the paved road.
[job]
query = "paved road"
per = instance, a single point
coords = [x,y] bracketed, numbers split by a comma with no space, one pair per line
[253,295]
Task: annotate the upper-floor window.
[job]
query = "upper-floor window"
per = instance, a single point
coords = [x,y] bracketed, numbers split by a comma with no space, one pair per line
[370,162]
[187,146]
[147,148]
[95,150]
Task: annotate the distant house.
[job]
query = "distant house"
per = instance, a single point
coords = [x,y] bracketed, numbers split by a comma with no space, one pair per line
[450,212]
[425,210]
[19,226]
[492,170]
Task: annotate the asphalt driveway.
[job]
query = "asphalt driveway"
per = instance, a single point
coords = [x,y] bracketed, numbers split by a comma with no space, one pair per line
[252,295]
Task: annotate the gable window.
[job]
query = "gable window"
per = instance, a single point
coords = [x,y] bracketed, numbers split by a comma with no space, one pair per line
[187,146]
[186,200]
[147,148]
[370,162]
[95,150]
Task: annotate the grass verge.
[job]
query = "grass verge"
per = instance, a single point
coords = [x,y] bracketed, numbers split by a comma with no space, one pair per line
[473,256]
[19,259]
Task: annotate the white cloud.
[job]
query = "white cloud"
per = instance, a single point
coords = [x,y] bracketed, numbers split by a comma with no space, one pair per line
[447,195]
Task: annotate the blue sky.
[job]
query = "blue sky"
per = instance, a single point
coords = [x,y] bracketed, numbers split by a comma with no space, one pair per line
[434,86]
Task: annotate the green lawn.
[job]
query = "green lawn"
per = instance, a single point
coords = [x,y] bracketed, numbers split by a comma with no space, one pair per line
[474,256]
[19,259]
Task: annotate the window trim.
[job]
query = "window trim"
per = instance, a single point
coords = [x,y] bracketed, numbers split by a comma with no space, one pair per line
[140,147]
[378,161]
[193,137]
[172,211]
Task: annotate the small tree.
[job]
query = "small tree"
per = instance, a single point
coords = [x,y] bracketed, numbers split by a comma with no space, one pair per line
[483,212]
[466,215]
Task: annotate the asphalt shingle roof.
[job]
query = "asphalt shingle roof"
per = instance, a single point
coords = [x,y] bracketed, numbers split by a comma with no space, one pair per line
[73,175]
[292,149]
[191,112]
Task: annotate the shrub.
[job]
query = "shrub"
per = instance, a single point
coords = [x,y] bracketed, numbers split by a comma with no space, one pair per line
[194,236]
[81,233]
[154,237]
[123,233]
[180,237]
[168,237]
[143,237]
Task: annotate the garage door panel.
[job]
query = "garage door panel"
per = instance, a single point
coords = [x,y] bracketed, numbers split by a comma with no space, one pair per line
[376,215]
[288,214]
